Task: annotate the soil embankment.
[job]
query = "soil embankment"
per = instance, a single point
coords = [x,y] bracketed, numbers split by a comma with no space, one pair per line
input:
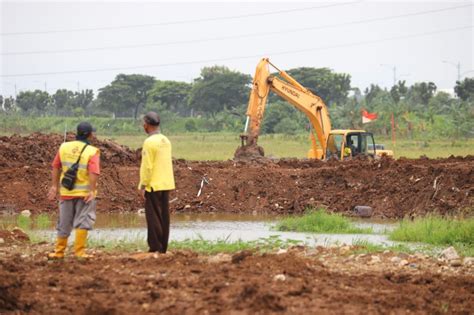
[393,188]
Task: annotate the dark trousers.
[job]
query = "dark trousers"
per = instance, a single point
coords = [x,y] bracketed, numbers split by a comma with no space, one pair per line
[157,220]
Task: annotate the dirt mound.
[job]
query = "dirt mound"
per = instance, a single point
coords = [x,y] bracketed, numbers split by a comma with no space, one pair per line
[249,152]
[39,149]
[14,236]
[393,188]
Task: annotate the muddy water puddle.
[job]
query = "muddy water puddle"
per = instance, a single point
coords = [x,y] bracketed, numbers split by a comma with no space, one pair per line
[211,227]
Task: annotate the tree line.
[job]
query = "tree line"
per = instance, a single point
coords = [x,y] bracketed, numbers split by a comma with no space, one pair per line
[220,95]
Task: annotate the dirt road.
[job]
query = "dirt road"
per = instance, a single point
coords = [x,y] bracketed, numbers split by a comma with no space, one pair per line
[300,281]
[393,188]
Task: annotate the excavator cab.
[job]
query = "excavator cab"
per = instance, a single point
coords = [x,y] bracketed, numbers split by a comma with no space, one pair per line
[344,144]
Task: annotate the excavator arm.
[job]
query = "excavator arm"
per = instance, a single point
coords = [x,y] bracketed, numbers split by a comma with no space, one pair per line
[294,93]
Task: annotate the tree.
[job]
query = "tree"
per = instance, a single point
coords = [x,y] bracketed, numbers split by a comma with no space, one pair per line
[462,115]
[372,92]
[421,93]
[330,86]
[33,100]
[128,92]
[9,104]
[465,89]
[63,99]
[279,111]
[83,99]
[219,88]
[398,91]
[170,95]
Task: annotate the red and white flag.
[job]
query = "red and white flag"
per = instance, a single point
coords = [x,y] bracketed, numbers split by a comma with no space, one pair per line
[368,117]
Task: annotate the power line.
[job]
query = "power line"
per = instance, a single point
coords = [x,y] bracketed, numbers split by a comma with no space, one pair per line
[359,43]
[393,17]
[232,17]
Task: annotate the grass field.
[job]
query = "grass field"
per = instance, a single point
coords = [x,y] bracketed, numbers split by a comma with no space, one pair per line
[438,231]
[320,221]
[221,146]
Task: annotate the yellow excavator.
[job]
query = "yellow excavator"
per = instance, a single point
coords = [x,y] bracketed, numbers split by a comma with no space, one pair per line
[325,142]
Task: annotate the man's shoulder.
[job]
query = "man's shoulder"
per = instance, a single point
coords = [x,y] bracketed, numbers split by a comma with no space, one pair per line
[157,138]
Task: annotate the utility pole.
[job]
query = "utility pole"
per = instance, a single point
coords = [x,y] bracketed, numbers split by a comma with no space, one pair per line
[394,75]
[457,65]
[394,70]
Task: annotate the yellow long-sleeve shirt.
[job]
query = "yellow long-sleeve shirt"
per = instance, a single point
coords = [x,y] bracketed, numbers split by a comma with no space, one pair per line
[156,170]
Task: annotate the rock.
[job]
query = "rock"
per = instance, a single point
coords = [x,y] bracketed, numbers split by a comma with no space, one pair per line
[468,261]
[403,263]
[141,211]
[414,266]
[374,260]
[363,211]
[396,260]
[420,256]
[282,251]
[143,256]
[19,235]
[220,258]
[450,254]
[455,262]
[345,249]
[279,277]
[240,256]
[187,206]
[25,213]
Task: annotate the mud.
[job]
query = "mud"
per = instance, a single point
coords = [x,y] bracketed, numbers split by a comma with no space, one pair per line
[393,188]
[249,152]
[299,281]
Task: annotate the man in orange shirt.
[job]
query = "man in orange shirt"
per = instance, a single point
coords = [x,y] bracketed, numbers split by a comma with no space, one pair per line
[77,205]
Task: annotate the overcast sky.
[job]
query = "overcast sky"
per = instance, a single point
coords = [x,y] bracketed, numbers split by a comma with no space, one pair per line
[47,45]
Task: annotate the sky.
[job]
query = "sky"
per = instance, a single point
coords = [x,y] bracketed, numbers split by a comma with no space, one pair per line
[84,45]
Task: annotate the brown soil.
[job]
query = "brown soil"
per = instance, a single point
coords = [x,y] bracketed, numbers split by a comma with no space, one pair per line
[301,281]
[16,236]
[393,188]
[249,152]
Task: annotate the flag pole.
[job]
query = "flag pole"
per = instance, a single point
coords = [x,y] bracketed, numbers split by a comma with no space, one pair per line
[392,121]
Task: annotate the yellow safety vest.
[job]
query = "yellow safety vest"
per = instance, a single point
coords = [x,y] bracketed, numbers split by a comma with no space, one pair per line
[156,170]
[68,153]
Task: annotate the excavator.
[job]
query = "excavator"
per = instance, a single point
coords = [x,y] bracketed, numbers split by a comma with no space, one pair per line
[326,143]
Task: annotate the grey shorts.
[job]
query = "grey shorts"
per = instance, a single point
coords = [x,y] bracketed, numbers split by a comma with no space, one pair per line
[77,214]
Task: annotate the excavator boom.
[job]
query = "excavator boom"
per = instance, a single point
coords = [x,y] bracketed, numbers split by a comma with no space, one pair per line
[294,93]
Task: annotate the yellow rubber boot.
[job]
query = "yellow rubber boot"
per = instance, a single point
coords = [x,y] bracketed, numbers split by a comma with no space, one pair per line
[80,244]
[61,244]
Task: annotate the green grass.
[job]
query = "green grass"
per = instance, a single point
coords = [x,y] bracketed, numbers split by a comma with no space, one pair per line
[221,146]
[198,245]
[438,231]
[320,221]
[43,221]
[413,149]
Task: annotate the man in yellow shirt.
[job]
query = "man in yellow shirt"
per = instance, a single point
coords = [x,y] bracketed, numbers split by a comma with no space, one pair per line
[156,181]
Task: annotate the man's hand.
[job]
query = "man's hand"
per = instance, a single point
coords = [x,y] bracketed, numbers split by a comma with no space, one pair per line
[89,197]
[142,193]
[53,191]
